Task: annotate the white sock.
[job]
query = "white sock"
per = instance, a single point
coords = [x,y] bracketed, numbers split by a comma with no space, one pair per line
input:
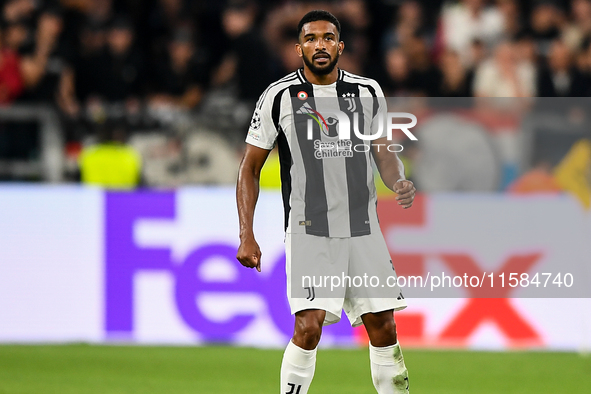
[388,372]
[297,369]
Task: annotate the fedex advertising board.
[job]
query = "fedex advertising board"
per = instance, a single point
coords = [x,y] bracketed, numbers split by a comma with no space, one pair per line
[80,264]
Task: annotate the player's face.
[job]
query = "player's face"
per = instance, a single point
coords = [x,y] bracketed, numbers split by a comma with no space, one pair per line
[319,47]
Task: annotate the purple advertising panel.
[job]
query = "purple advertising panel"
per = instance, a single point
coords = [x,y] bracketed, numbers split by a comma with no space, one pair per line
[124,259]
[159,267]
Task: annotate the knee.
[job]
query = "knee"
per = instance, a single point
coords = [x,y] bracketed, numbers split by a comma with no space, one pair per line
[385,324]
[387,332]
[383,333]
[307,334]
[390,327]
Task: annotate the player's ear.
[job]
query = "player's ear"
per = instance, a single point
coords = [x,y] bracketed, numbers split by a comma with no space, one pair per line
[298,49]
[341,47]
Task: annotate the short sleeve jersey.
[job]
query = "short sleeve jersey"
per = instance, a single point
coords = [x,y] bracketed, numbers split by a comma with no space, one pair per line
[326,180]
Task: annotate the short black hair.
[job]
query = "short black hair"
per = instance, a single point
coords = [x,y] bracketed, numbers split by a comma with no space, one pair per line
[318,15]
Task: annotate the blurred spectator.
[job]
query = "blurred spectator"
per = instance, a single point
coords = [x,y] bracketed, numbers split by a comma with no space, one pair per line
[560,78]
[513,24]
[248,51]
[398,81]
[580,28]
[537,180]
[17,36]
[424,75]
[99,12]
[470,20]
[350,62]
[43,61]
[478,54]
[166,17]
[583,60]
[544,24]
[111,163]
[526,50]
[18,10]
[90,63]
[178,80]
[280,22]
[409,23]
[290,60]
[355,14]
[456,81]
[125,73]
[11,80]
[13,143]
[47,61]
[504,75]
[354,18]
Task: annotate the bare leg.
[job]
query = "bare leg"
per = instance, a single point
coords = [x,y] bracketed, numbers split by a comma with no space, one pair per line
[299,359]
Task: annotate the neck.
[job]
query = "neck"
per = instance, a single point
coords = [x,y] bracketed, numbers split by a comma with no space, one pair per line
[321,79]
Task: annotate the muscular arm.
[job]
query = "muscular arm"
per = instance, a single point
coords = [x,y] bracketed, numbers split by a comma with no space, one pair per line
[247,193]
[392,173]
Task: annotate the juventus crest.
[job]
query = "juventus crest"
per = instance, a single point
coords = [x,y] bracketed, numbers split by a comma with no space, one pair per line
[350,99]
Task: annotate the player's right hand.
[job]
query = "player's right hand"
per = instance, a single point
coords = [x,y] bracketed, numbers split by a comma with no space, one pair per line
[249,254]
[406,193]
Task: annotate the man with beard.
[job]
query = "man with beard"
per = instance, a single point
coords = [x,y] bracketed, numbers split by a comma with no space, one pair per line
[330,203]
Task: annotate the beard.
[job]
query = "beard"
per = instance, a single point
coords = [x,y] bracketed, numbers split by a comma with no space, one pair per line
[327,69]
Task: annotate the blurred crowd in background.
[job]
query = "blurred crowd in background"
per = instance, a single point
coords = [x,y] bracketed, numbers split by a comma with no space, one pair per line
[161,69]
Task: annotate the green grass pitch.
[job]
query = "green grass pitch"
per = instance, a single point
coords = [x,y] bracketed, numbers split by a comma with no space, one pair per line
[87,369]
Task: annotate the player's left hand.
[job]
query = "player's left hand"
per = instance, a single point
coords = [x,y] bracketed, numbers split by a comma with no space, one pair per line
[406,193]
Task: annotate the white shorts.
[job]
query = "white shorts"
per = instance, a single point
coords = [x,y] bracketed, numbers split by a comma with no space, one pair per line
[362,266]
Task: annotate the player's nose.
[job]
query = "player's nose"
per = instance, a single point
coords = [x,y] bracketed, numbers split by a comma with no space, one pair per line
[320,44]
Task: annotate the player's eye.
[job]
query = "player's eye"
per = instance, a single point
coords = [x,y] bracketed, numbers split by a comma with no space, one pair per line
[310,39]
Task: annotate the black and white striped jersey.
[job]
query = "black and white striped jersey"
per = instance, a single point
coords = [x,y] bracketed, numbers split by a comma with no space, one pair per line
[327,182]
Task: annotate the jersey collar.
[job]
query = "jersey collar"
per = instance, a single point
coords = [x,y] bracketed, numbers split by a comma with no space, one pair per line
[302,77]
